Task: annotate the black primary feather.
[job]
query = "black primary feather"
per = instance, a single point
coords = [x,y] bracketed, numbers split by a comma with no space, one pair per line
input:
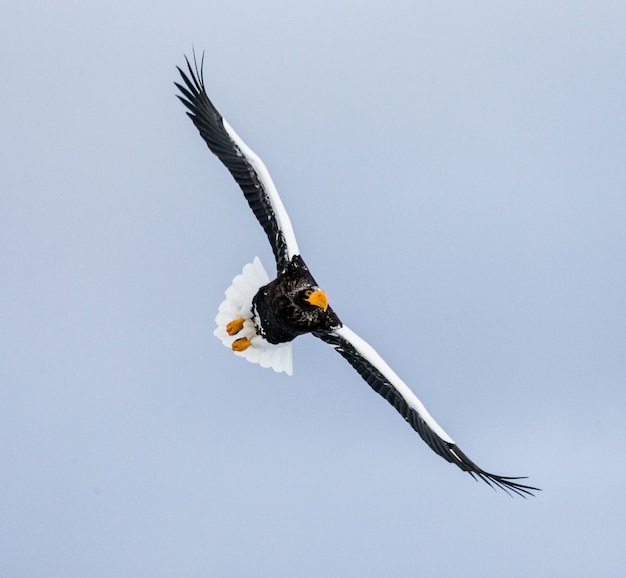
[209,123]
[450,452]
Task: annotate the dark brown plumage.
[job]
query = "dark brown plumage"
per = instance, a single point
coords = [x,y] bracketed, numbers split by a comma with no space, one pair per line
[281,311]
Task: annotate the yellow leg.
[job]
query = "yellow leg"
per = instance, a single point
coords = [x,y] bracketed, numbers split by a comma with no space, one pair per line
[234,326]
[241,344]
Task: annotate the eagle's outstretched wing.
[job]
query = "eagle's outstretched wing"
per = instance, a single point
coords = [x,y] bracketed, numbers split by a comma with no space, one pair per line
[245,166]
[386,382]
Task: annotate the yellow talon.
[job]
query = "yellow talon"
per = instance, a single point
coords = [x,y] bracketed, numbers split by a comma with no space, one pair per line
[235,327]
[241,344]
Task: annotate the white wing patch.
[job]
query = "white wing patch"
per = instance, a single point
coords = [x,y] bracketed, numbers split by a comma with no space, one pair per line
[238,303]
[369,353]
[268,184]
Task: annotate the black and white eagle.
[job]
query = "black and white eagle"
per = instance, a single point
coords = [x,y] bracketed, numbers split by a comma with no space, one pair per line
[260,317]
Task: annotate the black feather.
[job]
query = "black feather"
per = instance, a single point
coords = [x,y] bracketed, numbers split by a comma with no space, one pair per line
[209,123]
[450,452]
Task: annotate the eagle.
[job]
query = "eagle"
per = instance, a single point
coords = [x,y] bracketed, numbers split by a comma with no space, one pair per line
[260,317]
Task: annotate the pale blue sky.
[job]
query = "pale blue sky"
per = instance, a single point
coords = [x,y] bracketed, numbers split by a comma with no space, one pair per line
[455,177]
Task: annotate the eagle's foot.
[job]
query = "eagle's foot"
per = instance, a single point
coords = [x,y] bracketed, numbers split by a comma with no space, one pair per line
[235,327]
[241,344]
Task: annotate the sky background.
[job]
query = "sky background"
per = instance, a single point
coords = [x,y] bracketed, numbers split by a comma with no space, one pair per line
[455,174]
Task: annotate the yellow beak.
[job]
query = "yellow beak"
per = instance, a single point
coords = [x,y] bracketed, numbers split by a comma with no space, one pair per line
[319,299]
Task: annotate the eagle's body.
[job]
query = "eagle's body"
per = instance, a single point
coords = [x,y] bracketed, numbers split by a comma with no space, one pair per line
[280,309]
[260,317]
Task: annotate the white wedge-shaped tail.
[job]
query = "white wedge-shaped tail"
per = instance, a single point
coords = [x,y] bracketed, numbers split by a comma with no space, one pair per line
[238,303]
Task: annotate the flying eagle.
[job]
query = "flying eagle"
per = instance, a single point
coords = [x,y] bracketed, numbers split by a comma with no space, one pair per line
[260,317]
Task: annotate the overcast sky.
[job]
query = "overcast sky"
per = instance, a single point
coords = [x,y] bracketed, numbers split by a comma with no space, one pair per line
[455,174]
